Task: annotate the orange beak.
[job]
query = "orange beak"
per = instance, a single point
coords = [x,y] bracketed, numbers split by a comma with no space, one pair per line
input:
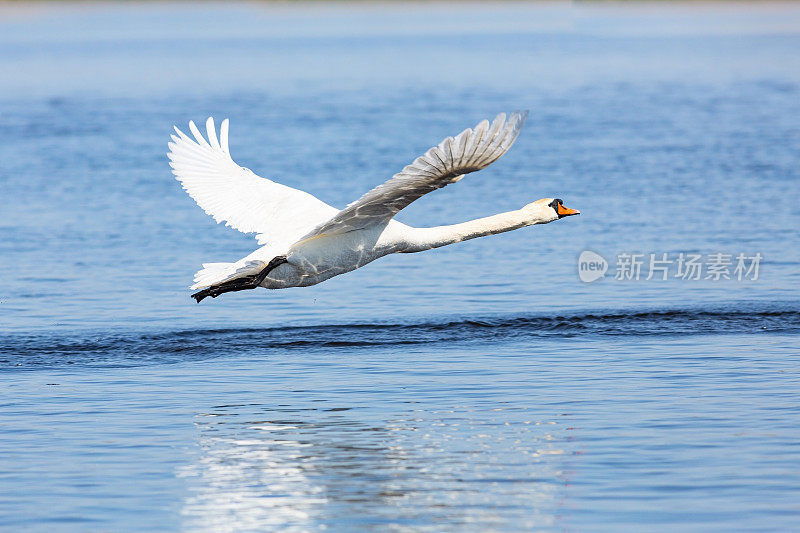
[566,211]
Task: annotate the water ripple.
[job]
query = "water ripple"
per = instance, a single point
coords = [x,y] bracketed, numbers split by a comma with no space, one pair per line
[28,351]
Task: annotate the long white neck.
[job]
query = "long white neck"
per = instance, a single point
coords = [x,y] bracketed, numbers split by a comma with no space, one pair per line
[419,239]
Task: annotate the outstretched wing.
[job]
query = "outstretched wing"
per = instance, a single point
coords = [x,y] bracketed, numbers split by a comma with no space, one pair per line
[471,150]
[235,195]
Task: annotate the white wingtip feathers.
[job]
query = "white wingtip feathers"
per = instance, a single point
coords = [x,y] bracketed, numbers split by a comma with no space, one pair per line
[211,132]
[223,136]
[198,163]
[199,149]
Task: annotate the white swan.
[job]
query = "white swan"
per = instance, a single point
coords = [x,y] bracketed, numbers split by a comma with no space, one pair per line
[306,241]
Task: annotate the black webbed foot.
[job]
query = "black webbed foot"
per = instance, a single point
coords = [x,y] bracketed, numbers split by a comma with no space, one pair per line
[240,284]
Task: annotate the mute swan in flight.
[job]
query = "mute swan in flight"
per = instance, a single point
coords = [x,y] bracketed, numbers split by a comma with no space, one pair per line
[306,241]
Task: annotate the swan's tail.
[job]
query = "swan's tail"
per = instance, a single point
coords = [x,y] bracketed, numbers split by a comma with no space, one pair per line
[213,273]
[216,273]
[248,276]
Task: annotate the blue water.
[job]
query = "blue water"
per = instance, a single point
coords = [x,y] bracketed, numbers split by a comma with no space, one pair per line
[477,387]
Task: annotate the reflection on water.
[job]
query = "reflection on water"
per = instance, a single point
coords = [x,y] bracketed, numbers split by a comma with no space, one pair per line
[296,469]
[247,483]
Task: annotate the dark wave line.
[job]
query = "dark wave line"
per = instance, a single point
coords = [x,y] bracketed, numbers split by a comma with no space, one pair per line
[131,349]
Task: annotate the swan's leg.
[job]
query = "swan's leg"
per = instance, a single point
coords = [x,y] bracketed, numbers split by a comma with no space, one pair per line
[240,284]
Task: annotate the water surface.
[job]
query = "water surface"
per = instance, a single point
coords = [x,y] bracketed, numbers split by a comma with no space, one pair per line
[478,387]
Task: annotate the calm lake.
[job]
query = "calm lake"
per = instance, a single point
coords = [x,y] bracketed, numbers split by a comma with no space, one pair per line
[482,386]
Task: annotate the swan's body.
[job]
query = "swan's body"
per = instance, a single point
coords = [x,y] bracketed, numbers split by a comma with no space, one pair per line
[306,241]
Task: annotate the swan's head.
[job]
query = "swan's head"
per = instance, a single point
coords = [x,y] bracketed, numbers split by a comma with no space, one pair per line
[547,210]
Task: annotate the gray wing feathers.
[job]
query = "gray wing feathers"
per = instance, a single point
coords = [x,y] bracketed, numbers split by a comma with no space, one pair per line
[469,151]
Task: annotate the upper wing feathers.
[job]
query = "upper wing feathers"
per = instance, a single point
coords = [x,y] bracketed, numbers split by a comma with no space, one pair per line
[470,150]
[235,195]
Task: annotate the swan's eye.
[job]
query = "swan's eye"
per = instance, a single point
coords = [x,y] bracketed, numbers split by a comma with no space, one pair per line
[555,203]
